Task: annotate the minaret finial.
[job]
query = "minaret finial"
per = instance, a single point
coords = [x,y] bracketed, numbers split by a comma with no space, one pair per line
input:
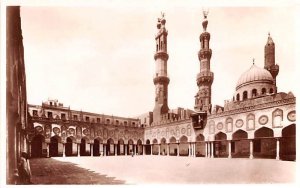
[253,60]
[205,12]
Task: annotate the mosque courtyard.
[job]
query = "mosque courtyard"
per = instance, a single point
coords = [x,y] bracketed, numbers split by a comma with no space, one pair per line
[159,170]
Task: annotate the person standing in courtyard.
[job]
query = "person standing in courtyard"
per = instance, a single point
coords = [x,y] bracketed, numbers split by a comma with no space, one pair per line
[24,169]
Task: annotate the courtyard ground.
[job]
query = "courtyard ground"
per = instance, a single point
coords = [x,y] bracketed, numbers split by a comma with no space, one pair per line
[160,170]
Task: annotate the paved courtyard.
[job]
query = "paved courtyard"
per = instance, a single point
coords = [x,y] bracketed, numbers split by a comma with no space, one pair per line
[160,169]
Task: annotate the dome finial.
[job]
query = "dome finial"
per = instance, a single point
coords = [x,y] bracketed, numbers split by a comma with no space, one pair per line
[205,22]
[253,60]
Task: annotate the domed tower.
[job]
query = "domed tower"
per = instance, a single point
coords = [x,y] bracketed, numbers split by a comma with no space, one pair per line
[270,59]
[205,77]
[161,79]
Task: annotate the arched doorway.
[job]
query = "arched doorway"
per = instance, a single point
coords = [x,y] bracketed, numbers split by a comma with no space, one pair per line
[288,143]
[220,145]
[120,148]
[71,147]
[130,147]
[84,147]
[264,144]
[163,147]
[240,145]
[155,147]
[55,147]
[183,146]
[173,147]
[200,146]
[96,147]
[139,147]
[37,146]
[110,149]
[148,147]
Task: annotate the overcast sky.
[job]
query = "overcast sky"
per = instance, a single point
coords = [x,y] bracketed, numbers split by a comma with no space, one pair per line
[100,59]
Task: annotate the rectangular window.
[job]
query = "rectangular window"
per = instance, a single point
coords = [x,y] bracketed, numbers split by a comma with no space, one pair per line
[75,117]
[98,120]
[49,114]
[63,116]
[34,113]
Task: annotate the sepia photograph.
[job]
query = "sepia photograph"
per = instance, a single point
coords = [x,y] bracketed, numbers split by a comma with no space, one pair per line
[148,92]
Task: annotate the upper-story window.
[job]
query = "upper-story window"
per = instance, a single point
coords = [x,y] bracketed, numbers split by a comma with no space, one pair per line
[63,116]
[238,97]
[263,91]
[75,117]
[133,123]
[245,95]
[125,123]
[117,122]
[34,113]
[107,121]
[50,103]
[87,118]
[271,90]
[254,92]
[98,120]
[49,115]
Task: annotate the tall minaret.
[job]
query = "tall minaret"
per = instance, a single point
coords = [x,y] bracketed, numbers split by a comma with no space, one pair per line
[205,77]
[161,79]
[270,59]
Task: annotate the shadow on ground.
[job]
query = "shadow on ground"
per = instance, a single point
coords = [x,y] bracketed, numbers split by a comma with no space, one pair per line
[51,171]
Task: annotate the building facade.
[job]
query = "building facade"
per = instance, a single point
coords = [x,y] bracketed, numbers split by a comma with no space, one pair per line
[258,122]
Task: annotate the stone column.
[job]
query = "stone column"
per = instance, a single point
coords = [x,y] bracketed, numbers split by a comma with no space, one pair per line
[251,149]
[48,150]
[277,149]
[64,150]
[125,148]
[78,150]
[194,150]
[158,149]
[151,148]
[206,152]
[177,149]
[144,149]
[229,149]
[190,149]
[133,149]
[29,149]
[212,149]
[116,149]
[168,149]
[92,150]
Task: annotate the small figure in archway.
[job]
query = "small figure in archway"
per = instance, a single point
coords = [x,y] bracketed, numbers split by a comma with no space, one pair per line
[131,153]
[24,169]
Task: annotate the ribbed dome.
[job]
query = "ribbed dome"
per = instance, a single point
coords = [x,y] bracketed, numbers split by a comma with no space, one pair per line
[254,74]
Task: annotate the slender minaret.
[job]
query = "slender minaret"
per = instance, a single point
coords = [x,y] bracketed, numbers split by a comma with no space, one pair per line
[270,59]
[205,77]
[161,79]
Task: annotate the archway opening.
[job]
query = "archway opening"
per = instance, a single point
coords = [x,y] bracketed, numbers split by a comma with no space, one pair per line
[84,147]
[71,148]
[130,147]
[139,147]
[110,149]
[37,148]
[120,149]
[200,146]
[55,147]
[220,145]
[240,145]
[155,147]
[288,143]
[96,147]
[264,144]
[183,146]
[163,147]
[173,147]
[148,147]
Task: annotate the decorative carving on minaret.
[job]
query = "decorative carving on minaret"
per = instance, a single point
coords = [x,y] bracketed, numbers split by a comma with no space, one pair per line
[270,59]
[205,77]
[161,79]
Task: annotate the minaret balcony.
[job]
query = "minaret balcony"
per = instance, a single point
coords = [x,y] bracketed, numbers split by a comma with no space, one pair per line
[204,53]
[162,55]
[205,78]
[161,79]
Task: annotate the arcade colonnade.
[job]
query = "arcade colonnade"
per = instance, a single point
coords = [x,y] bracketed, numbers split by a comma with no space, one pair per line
[263,145]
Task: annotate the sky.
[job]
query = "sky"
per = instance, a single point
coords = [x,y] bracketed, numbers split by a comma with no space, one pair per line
[101,58]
